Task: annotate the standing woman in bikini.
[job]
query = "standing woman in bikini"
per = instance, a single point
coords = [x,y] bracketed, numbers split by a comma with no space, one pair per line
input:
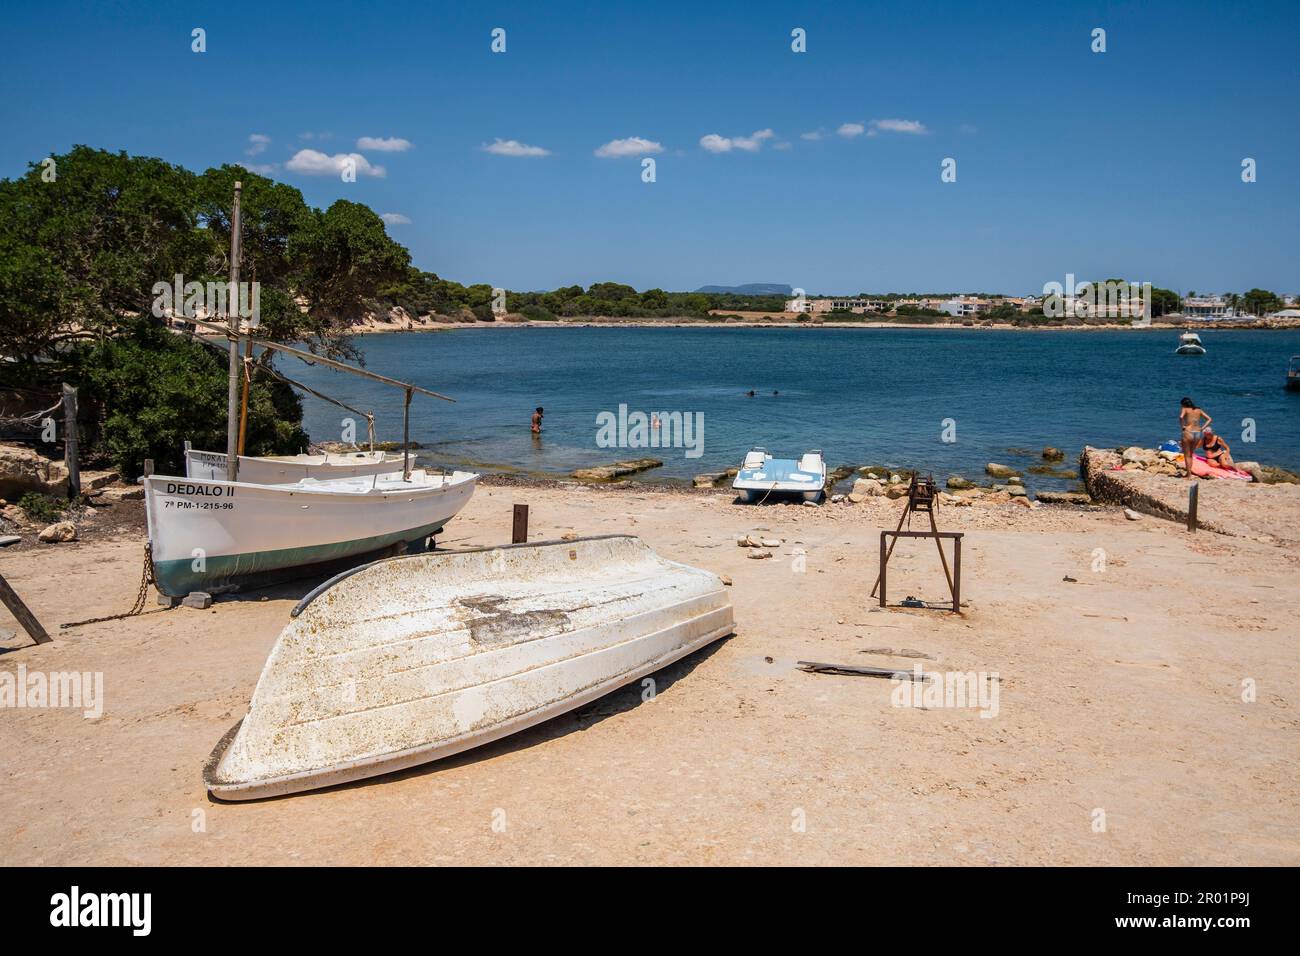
[1192,419]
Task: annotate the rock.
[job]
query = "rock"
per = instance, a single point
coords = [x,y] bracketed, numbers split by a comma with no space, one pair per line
[1064,498]
[895,479]
[1053,454]
[812,504]
[837,498]
[958,483]
[1252,468]
[746,542]
[23,470]
[1001,471]
[896,491]
[863,489]
[758,555]
[770,542]
[708,480]
[1138,456]
[59,531]
[725,579]
[1024,500]
[617,470]
[199,600]
[569,536]
[1017,491]
[1015,480]
[1132,515]
[14,515]
[94,480]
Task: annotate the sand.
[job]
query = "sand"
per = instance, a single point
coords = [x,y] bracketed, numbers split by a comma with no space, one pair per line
[1121,734]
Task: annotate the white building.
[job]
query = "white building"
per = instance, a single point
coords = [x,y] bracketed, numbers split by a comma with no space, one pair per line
[1208,307]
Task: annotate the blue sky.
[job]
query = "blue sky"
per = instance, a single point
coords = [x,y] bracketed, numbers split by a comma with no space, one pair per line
[1123,163]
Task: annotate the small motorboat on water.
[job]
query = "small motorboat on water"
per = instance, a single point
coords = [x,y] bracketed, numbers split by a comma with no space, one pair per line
[1293,373]
[210,535]
[761,475]
[282,469]
[411,659]
[1189,343]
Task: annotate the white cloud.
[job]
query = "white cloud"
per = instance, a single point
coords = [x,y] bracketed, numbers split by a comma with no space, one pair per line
[724,144]
[257,143]
[512,147]
[393,144]
[263,169]
[814,135]
[915,127]
[311,162]
[850,130]
[632,146]
[394,218]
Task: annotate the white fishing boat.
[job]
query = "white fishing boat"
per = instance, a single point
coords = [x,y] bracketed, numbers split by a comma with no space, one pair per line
[412,659]
[212,535]
[761,476]
[1189,343]
[281,469]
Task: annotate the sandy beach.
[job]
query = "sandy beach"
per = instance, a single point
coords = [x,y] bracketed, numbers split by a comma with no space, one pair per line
[1122,648]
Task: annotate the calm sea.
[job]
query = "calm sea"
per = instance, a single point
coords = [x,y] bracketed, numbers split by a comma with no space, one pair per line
[871,396]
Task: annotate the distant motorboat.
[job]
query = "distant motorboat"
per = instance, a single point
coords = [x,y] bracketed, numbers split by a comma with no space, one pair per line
[1293,373]
[1189,343]
[761,475]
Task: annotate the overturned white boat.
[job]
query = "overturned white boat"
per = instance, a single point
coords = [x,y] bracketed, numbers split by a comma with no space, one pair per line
[283,469]
[411,659]
[208,535]
[761,475]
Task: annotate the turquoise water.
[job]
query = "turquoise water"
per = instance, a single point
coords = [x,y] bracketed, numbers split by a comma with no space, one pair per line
[877,396]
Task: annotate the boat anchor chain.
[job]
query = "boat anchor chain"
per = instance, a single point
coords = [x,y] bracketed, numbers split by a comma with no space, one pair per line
[141,596]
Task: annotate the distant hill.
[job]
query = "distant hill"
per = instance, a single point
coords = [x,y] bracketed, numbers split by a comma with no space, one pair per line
[752,288]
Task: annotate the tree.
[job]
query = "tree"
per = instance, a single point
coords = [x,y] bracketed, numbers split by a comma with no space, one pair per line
[341,257]
[1261,302]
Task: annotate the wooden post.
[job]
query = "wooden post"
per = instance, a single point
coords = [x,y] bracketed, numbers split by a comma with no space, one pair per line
[70,453]
[884,560]
[519,533]
[9,597]
[247,385]
[956,575]
[406,437]
[148,467]
[1192,494]
[232,327]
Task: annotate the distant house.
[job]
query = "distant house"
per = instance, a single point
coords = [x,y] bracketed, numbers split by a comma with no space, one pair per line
[965,306]
[1208,307]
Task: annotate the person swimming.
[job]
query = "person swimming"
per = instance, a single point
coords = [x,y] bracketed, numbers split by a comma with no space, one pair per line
[1193,422]
[537,421]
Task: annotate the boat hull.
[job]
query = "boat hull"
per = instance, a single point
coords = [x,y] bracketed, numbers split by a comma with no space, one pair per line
[412,659]
[215,535]
[286,469]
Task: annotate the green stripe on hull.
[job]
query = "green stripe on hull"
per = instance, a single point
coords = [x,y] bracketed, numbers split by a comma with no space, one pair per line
[178,578]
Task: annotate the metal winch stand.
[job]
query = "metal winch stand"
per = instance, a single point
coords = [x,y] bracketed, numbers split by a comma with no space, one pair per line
[922,497]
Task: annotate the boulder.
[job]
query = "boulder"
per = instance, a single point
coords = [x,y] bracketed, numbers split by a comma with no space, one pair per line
[59,531]
[1138,456]
[1053,454]
[708,480]
[617,470]
[1017,491]
[1000,471]
[898,490]
[1132,515]
[958,483]
[863,489]
[1064,498]
[23,470]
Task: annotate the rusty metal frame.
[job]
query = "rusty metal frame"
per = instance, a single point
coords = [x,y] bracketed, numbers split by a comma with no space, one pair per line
[954,583]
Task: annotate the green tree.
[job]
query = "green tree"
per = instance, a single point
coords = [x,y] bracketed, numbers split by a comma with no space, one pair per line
[1261,302]
[342,256]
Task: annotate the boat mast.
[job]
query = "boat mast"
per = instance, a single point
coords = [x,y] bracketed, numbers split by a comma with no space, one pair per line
[232,333]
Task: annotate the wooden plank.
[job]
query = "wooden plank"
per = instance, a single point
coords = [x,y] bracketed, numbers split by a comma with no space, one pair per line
[9,597]
[852,670]
[519,533]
